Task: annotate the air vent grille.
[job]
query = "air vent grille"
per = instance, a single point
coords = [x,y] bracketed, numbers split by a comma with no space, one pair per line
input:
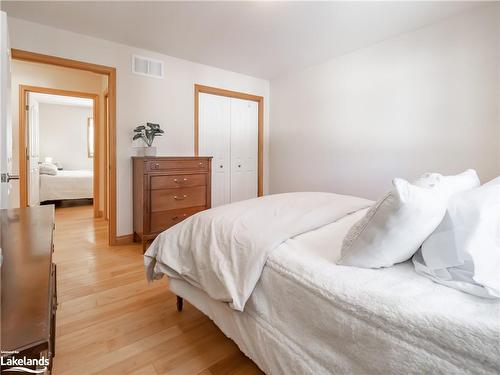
[146,66]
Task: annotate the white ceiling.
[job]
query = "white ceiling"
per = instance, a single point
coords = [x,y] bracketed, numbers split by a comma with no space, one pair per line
[262,39]
[62,100]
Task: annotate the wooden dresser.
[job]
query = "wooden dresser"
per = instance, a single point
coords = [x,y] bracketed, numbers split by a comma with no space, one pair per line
[29,292]
[167,190]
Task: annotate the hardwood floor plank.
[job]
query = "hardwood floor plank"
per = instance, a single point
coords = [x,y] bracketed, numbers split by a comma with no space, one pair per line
[205,333]
[108,359]
[146,370]
[232,365]
[111,321]
[86,319]
[199,358]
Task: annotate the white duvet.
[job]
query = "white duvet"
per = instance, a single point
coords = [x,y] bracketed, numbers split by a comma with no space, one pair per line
[223,250]
[308,315]
[66,184]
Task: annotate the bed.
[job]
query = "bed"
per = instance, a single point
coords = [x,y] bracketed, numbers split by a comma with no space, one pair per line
[66,184]
[307,315]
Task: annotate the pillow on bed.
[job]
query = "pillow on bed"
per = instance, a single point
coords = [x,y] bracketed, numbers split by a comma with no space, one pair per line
[48,168]
[464,251]
[450,184]
[396,226]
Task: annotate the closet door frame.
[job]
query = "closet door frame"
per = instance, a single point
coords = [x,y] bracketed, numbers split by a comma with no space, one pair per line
[239,95]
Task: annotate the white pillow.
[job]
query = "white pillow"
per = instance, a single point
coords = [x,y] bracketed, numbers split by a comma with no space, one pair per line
[464,251]
[48,168]
[396,226]
[450,184]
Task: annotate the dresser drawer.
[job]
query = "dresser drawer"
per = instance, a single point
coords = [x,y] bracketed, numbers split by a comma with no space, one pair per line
[171,199]
[164,220]
[169,165]
[169,182]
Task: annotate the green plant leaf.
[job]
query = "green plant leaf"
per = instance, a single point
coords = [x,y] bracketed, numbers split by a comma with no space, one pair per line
[148,133]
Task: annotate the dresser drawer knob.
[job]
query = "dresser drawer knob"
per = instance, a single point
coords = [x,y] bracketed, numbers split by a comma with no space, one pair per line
[200,164]
[180,198]
[156,166]
[178,182]
[175,218]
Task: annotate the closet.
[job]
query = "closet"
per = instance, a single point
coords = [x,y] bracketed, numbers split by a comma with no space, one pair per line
[228,131]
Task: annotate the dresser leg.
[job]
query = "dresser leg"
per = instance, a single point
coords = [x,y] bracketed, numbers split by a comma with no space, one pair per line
[180,303]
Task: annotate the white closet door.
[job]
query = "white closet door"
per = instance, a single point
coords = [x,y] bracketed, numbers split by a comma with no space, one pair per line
[244,149]
[214,139]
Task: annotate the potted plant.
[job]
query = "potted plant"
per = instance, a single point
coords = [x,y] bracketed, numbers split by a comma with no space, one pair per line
[147,134]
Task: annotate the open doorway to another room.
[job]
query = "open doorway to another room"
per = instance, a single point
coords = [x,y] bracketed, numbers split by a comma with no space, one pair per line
[60,148]
[35,74]
[63,138]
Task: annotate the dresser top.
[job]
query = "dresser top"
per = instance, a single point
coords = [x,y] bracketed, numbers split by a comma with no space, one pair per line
[172,157]
[26,240]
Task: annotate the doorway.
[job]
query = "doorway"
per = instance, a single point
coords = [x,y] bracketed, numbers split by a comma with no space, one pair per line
[108,149]
[59,131]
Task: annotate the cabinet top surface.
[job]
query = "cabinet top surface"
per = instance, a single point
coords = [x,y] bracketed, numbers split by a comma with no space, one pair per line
[172,157]
[26,242]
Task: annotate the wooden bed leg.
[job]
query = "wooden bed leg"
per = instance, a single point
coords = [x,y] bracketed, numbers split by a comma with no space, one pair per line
[180,303]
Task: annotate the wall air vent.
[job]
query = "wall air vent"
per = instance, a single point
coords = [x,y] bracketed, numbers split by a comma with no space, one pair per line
[146,66]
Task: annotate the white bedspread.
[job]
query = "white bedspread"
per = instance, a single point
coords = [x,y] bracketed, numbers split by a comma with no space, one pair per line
[76,184]
[223,250]
[308,315]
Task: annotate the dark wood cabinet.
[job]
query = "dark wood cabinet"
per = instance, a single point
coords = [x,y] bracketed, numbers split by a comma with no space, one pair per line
[28,283]
[166,190]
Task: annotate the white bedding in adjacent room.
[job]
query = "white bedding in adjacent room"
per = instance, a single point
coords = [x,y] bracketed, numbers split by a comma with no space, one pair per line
[76,184]
[308,315]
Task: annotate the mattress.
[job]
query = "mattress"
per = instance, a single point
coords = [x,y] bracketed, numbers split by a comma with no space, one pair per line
[308,315]
[72,184]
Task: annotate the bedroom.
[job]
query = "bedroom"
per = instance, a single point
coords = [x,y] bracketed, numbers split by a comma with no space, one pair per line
[336,97]
[62,130]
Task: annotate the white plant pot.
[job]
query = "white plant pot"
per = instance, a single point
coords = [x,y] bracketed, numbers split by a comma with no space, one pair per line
[145,151]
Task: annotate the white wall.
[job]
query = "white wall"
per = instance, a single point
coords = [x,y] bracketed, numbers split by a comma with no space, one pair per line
[169,102]
[63,135]
[428,100]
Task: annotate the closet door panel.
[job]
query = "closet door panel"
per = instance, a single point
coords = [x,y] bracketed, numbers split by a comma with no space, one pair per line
[214,139]
[244,149]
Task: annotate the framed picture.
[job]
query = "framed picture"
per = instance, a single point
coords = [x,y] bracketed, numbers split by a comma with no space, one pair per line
[90,137]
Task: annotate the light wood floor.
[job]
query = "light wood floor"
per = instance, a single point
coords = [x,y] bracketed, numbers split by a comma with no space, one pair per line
[110,321]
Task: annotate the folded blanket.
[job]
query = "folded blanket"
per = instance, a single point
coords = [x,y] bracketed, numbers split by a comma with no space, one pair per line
[223,250]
